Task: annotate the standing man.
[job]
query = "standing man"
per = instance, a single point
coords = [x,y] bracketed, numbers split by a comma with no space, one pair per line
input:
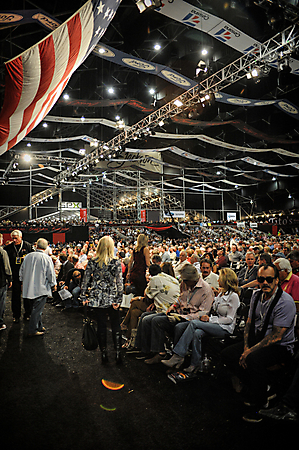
[38,277]
[17,251]
[5,280]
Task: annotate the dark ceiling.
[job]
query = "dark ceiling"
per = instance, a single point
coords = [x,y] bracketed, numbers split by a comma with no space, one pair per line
[181,46]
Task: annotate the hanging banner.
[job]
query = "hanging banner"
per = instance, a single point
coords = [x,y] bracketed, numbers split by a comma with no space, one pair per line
[101,50]
[218,143]
[83,214]
[81,120]
[141,161]
[123,59]
[284,105]
[35,79]
[216,27]
[143,215]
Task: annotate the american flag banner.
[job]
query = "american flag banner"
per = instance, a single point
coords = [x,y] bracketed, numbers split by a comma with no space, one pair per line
[35,79]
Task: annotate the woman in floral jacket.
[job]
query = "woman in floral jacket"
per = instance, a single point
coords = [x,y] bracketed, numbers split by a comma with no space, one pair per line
[103,285]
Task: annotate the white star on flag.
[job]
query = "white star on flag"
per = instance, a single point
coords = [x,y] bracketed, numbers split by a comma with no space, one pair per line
[100,8]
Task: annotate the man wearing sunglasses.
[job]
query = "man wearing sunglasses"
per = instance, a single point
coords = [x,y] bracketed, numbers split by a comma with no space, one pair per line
[268,340]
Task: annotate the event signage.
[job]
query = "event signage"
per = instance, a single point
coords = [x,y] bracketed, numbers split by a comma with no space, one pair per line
[231,216]
[71,205]
[175,215]
[83,214]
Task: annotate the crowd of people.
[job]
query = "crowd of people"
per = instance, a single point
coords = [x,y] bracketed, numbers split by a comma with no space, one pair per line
[180,292]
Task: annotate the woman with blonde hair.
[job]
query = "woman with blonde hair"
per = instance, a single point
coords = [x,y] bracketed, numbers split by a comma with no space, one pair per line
[139,261]
[102,289]
[219,323]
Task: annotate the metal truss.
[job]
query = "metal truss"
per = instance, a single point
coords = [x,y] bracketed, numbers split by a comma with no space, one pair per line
[262,55]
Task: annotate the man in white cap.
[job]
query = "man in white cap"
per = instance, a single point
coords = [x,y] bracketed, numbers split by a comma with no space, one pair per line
[191,304]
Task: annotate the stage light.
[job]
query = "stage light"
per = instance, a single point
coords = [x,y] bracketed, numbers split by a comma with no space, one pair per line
[254,73]
[28,145]
[102,50]
[157,47]
[152,91]
[144,5]
[110,90]
[45,124]
[178,103]
[204,52]
[27,157]
[66,96]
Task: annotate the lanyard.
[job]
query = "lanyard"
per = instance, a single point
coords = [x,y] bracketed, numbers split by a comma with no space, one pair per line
[18,251]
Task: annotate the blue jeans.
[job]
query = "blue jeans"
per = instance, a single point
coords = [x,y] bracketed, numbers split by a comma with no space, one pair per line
[73,302]
[35,322]
[3,293]
[151,331]
[194,333]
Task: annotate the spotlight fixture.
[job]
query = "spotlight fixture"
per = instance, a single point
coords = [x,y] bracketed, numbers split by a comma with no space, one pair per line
[254,73]
[144,5]
[110,90]
[27,157]
[152,91]
[157,47]
[178,103]
[45,124]
[66,96]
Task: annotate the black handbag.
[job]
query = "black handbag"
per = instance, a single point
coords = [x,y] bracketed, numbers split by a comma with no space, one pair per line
[89,335]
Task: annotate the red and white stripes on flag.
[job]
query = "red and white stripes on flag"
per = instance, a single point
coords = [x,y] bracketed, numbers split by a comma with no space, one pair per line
[36,78]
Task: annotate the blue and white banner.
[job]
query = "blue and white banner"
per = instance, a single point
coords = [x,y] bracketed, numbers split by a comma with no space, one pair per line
[123,59]
[216,27]
[284,105]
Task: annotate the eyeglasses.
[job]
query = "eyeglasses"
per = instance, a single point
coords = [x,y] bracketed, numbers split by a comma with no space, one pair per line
[263,279]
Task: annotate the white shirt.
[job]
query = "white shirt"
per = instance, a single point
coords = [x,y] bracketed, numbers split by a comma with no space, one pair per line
[212,280]
[37,274]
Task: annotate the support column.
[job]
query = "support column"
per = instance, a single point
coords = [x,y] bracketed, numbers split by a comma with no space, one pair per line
[30,193]
[138,198]
[88,202]
[162,198]
[114,197]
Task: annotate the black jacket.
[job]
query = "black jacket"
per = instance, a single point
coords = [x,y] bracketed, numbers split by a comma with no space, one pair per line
[64,270]
[12,254]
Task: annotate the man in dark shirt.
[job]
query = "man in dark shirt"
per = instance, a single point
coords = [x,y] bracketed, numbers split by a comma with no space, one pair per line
[17,251]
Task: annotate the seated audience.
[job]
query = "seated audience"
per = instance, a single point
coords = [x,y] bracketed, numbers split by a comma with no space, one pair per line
[219,323]
[191,304]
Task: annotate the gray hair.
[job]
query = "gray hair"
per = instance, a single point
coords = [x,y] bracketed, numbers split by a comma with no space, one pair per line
[284,264]
[16,233]
[42,243]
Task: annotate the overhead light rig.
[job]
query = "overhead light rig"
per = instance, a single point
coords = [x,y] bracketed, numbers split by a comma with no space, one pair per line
[261,56]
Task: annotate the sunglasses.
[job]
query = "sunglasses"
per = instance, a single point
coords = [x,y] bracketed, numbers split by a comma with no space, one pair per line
[263,279]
